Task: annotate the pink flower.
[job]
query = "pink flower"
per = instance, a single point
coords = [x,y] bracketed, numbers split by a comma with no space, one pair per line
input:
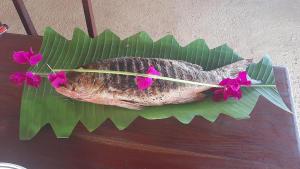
[33,80]
[17,78]
[242,79]
[58,79]
[231,87]
[29,57]
[145,82]
[153,71]
[28,78]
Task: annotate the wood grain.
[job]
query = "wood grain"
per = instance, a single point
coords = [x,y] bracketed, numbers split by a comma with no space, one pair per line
[267,140]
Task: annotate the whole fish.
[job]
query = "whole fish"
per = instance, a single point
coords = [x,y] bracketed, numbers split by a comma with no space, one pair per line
[122,91]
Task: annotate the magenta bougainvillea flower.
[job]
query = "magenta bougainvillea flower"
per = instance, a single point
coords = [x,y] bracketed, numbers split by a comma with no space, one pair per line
[33,79]
[145,82]
[27,57]
[231,87]
[29,78]
[58,79]
[17,78]
[242,79]
[153,71]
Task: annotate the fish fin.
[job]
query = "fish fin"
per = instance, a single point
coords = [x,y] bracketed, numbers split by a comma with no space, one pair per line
[119,103]
[232,70]
[128,105]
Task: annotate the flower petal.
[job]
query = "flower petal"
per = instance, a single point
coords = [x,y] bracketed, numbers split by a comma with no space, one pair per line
[52,77]
[33,80]
[143,82]
[20,57]
[57,82]
[17,78]
[58,79]
[151,70]
[23,57]
[232,87]
[242,79]
[35,59]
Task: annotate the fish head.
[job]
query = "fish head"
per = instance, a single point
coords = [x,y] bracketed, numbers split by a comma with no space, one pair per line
[81,86]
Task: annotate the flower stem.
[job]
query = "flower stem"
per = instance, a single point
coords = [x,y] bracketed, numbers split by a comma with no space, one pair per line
[136,74]
[150,76]
[262,85]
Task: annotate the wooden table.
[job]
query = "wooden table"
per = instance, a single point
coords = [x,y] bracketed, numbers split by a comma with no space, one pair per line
[266,141]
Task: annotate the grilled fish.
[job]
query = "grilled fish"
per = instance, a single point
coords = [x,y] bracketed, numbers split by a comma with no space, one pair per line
[121,90]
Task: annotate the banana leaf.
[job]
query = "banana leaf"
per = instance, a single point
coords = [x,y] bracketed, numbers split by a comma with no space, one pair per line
[44,106]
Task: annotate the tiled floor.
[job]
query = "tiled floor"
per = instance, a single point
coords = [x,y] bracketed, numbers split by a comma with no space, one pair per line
[253,28]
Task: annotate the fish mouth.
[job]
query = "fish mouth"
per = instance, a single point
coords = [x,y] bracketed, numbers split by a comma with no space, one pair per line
[68,92]
[65,91]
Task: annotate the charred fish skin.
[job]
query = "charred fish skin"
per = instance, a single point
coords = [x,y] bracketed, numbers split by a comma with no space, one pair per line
[121,90]
[167,68]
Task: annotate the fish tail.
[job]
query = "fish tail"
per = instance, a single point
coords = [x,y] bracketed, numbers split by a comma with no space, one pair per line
[232,70]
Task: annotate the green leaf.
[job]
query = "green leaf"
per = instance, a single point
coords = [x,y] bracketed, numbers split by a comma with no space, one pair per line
[44,106]
[263,71]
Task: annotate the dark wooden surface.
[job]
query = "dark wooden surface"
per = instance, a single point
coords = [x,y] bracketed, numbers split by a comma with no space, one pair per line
[267,140]
[89,17]
[25,17]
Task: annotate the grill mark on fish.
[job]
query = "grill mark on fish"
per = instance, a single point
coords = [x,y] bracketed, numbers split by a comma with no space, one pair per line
[141,65]
[136,69]
[205,77]
[178,73]
[146,64]
[137,65]
[212,78]
[195,74]
[153,89]
[171,74]
[105,79]
[131,68]
[188,73]
[113,78]
[123,79]
[157,84]
[118,78]
[140,69]
[161,83]
[134,63]
[185,73]
[165,86]
[110,77]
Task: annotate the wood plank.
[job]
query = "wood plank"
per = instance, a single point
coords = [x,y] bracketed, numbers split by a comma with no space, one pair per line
[25,17]
[267,140]
[89,17]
